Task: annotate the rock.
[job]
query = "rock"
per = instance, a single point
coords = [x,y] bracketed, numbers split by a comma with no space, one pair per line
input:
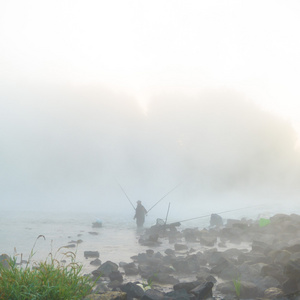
[180,247]
[153,294]
[225,270]
[164,278]
[178,295]
[280,257]
[115,276]
[190,234]
[70,246]
[266,283]
[170,252]
[275,271]
[226,288]
[216,220]
[207,240]
[258,246]
[105,269]
[203,291]
[248,290]
[132,290]
[130,269]
[95,262]
[187,285]
[92,254]
[292,269]
[273,293]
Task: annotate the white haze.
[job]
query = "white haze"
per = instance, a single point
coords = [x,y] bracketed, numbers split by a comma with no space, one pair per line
[70,148]
[148,95]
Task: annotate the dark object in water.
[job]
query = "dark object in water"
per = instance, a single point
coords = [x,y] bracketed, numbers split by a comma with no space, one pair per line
[97,224]
[216,220]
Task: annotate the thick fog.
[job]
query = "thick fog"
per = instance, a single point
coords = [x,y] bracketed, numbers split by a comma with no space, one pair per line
[70,148]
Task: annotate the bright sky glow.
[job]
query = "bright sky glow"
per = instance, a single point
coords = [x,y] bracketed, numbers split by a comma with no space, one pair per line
[140,46]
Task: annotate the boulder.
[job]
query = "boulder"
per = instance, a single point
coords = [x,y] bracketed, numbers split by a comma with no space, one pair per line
[153,294]
[93,254]
[216,220]
[188,286]
[132,290]
[105,269]
[273,293]
[130,269]
[203,291]
[180,247]
[164,278]
[96,262]
[178,295]
[116,276]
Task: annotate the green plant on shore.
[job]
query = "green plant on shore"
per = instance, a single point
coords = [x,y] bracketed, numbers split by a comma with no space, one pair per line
[237,286]
[49,279]
[148,284]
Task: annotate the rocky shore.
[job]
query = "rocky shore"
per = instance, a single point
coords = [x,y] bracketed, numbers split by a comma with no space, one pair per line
[242,259]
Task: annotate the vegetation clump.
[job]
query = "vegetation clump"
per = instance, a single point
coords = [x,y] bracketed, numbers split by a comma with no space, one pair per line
[46,280]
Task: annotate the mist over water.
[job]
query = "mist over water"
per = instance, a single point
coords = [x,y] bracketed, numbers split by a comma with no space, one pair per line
[69,148]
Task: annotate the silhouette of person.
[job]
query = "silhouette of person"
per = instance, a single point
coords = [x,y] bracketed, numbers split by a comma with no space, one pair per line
[140,213]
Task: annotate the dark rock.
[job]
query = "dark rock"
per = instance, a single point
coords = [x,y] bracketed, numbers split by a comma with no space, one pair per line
[258,246]
[70,246]
[292,269]
[273,293]
[132,290]
[178,295]
[203,291]
[150,252]
[275,271]
[291,285]
[188,286]
[248,290]
[115,276]
[153,294]
[170,252]
[130,269]
[191,235]
[216,220]
[96,262]
[92,254]
[105,269]
[180,247]
[207,240]
[180,265]
[164,278]
[293,248]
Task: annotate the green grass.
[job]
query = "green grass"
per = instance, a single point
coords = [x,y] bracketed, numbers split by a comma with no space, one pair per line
[237,286]
[49,279]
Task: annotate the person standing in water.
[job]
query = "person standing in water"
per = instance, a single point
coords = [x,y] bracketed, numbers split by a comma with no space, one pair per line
[140,213]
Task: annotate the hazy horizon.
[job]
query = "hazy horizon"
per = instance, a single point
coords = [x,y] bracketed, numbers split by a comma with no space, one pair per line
[149,95]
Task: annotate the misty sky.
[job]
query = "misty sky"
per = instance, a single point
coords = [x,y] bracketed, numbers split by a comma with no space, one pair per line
[148,94]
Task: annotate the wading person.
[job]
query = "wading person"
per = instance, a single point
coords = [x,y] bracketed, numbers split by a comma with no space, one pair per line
[140,213]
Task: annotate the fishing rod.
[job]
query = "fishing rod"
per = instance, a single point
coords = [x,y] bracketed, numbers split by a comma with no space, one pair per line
[167,213]
[165,195]
[223,212]
[125,193]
